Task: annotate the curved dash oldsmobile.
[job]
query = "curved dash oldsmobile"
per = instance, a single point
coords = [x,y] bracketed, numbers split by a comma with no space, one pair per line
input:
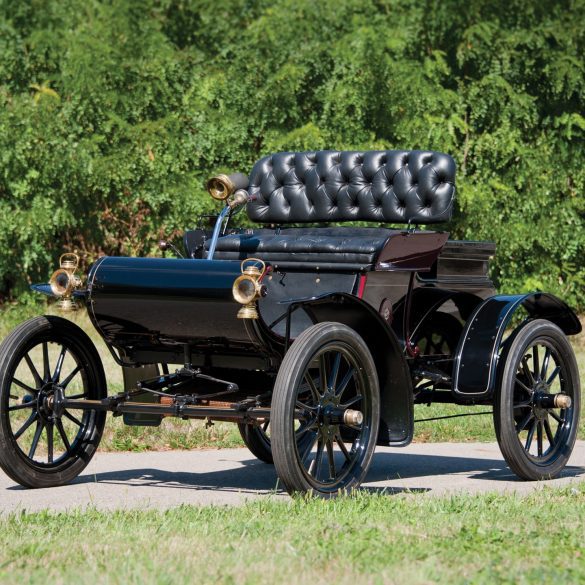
[316,341]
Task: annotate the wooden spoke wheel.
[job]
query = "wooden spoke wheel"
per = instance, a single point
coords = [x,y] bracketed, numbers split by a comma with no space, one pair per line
[327,389]
[536,410]
[38,446]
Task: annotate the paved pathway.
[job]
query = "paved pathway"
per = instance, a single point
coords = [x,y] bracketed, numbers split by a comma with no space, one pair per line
[232,476]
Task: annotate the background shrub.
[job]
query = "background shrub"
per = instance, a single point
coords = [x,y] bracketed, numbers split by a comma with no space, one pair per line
[112,114]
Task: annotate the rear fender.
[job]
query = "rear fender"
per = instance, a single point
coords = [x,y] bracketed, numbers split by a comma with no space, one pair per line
[476,359]
[428,301]
[396,396]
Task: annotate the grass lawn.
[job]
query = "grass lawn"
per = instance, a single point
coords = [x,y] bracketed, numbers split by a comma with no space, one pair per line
[367,538]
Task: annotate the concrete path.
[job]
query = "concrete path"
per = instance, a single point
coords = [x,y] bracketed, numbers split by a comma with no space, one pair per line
[232,476]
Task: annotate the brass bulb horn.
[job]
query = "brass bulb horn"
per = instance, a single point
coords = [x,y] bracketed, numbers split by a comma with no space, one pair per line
[64,281]
[223,186]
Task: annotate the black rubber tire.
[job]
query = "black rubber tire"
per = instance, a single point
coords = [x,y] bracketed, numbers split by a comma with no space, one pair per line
[257,441]
[292,383]
[17,464]
[516,409]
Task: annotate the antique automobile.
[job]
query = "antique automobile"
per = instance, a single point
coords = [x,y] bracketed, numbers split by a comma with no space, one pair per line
[315,339]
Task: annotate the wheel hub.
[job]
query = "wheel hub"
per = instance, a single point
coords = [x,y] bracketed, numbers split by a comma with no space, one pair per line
[46,402]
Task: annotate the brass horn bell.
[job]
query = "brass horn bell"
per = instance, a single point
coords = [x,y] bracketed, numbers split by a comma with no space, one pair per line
[64,281]
[220,187]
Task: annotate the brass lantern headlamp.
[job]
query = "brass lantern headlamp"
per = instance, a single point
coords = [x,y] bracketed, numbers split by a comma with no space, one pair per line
[64,281]
[247,288]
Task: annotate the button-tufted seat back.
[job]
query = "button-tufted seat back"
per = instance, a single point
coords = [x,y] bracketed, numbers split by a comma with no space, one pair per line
[390,186]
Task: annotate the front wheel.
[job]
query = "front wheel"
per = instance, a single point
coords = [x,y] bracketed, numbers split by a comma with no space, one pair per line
[39,447]
[327,389]
[536,408]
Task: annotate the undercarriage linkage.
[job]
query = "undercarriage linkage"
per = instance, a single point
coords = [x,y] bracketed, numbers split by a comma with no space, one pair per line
[173,403]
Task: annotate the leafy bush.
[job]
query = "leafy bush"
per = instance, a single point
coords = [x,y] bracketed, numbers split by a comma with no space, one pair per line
[112,114]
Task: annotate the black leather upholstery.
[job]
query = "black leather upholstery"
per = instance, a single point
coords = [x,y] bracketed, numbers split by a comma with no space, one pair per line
[393,186]
[341,245]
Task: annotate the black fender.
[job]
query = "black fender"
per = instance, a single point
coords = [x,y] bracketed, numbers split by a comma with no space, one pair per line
[396,394]
[476,359]
[426,301]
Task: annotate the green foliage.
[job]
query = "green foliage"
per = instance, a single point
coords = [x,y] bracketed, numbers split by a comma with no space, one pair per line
[112,114]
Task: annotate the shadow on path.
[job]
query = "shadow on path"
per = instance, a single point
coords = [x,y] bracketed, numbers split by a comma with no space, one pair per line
[252,476]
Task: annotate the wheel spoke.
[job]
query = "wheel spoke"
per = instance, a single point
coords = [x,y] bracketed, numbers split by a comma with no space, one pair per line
[310,424]
[63,435]
[22,406]
[527,371]
[316,463]
[309,448]
[549,434]
[539,438]
[522,425]
[73,419]
[556,417]
[311,383]
[535,363]
[331,459]
[523,386]
[322,373]
[264,427]
[523,404]
[46,365]
[345,381]
[50,436]
[554,374]
[60,359]
[76,396]
[24,386]
[36,439]
[33,371]
[545,361]
[29,421]
[305,406]
[530,436]
[334,371]
[70,377]
[342,447]
[352,401]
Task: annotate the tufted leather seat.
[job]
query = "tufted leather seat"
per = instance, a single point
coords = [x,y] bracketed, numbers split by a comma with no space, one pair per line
[394,186]
[354,247]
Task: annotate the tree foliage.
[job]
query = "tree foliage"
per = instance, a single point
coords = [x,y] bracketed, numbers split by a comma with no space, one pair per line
[112,114]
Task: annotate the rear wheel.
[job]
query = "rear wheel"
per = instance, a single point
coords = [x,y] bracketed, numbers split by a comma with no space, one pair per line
[327,389]
[536,410]
[257,439]
[38,447]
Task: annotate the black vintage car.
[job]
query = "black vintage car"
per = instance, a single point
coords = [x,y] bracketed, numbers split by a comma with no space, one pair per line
[317,341]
